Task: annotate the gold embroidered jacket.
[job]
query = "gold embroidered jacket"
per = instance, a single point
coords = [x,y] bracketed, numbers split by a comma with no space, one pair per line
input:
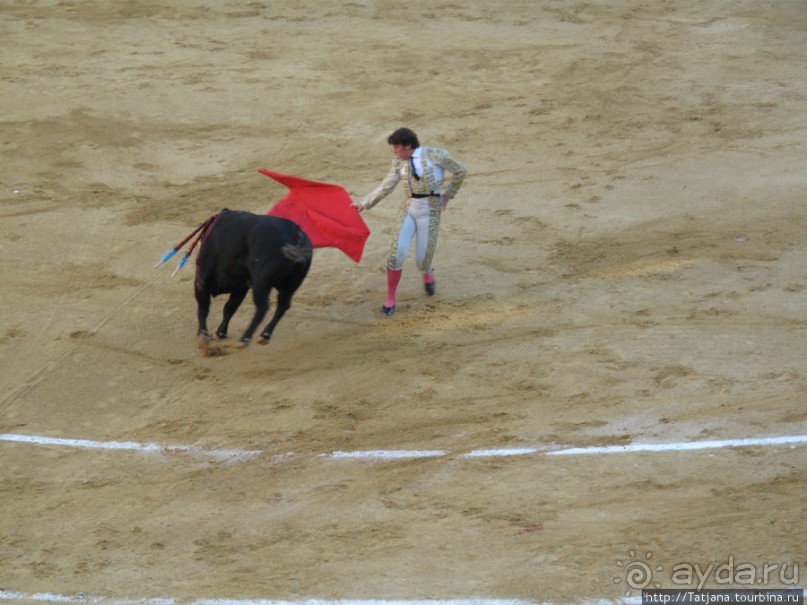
[431,157]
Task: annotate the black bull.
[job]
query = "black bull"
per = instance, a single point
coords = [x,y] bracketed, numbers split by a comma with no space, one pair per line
[240,251]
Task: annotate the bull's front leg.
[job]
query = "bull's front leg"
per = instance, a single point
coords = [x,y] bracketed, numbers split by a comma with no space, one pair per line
[235,300]
[260,296]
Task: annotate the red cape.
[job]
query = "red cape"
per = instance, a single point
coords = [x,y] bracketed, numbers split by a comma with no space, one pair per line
[324,212]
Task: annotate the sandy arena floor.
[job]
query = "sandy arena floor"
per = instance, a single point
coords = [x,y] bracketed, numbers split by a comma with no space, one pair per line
[624,264]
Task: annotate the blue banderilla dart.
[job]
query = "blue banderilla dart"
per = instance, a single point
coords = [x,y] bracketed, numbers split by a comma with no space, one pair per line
[201,229]
[166,257]
[182,262]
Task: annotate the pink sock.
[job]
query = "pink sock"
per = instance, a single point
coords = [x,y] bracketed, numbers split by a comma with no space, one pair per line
[428,278]
[393,278]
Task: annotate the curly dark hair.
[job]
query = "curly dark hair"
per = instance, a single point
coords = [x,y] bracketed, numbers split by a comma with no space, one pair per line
[405,137]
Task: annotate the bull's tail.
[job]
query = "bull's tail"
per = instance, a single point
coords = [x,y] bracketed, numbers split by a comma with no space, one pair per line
[300,251]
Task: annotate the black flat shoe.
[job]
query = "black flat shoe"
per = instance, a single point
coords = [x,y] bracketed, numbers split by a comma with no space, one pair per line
[388,311]
[429,287]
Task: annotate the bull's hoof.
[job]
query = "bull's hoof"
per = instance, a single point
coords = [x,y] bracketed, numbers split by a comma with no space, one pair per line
[203,340]
[264,339]
[221,335]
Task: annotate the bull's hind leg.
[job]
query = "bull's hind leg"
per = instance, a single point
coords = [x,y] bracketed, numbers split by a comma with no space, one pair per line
[260,296]
[283,305]
[202,311]
[284,295]
[230,307]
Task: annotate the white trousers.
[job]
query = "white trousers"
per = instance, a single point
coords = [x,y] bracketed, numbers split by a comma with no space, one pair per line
[420,222]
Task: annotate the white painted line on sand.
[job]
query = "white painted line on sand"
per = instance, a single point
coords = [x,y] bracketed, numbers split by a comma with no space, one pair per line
[222,455]
[95,600]
[391,455]
[503,452]
[388,454]
[55,598]
[680,447]
[6,595]
[45,597]
[368,602]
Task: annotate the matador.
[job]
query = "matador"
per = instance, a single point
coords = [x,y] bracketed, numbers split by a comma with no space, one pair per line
[427,195]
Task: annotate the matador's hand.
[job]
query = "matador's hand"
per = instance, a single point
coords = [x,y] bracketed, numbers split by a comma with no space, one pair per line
[443,203]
